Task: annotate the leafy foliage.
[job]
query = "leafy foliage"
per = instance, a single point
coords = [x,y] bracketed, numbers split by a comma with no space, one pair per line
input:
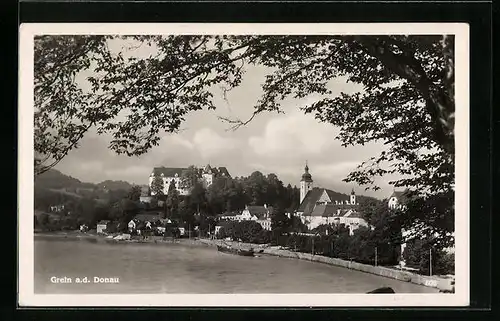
[157,186]
[190,177]
[407,101]
[280,223]
[172,202]
[418,253]
[246,231]
[135,193]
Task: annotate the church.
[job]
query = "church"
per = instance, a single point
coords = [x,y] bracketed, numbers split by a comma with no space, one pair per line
[207,176]
[323,206]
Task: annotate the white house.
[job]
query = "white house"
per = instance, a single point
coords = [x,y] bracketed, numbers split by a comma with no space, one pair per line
[260,214]
[57,208]
[265,223]
[132,225]
[146,199]
[397,200]
[101,226]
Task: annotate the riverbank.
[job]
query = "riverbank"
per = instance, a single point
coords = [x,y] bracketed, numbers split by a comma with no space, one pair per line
[441,283]
[97,238]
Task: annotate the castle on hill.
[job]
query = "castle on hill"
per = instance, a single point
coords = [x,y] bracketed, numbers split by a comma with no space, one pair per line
[207,175]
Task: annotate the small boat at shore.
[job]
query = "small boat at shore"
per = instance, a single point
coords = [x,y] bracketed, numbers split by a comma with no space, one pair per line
[231,250]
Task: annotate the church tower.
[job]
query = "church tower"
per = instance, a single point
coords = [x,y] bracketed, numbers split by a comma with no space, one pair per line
[306,183]
[353,197]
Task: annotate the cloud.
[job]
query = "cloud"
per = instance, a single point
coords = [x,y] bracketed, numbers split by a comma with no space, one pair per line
[130,173]
[210,144]
[176,140]
[294,134]
[336,169]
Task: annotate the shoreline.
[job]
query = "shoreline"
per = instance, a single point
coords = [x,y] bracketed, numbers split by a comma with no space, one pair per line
[444,284]
[440,283]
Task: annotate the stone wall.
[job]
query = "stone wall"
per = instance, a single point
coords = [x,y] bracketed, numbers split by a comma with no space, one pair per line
[430,281]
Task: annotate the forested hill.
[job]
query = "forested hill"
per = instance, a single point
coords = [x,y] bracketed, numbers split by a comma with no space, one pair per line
[115,185]
[54,187]
[54,179]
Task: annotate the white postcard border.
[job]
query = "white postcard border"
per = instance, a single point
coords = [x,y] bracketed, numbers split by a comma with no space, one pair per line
[27,297]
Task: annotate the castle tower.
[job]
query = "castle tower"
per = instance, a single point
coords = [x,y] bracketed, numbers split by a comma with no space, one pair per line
[208,176]
[306,183]
[353,197]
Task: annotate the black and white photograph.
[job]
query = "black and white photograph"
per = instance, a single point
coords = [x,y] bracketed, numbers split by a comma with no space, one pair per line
[205,164]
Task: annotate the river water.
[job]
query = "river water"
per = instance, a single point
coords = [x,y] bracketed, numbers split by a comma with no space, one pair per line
[178,268]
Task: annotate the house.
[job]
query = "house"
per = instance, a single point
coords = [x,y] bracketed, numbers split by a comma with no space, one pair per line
[171,174]
[132,225]
[57,208]
[101,226]
[228,216]
[265,223]
[146,199]
[150,220]
[260,214]
[398,199]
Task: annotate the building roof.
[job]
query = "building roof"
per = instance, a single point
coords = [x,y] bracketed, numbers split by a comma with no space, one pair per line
[313,196]
[334,210]
[208,169]
[325,210]
[402,196]
[172,171]
[168,171]
[310,200]
[103,222]
[223,171]
[227,214]
[306,177]
[260,211]
[354,214]
[335,196]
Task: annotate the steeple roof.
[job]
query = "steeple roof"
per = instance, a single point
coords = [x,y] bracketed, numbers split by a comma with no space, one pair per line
[306,177]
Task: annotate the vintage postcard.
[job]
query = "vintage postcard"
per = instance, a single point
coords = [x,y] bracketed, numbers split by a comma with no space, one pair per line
[254,165]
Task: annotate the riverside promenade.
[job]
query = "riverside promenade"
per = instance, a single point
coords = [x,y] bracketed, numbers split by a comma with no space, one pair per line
[441,283]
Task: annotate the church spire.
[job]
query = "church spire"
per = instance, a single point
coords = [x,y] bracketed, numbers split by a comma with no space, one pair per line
[306,183]
[306,177]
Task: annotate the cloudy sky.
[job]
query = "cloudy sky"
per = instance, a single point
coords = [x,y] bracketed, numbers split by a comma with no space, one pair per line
[271,143]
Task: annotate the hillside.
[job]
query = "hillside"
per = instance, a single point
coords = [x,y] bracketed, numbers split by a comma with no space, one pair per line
[54,179]
[54,187]
[114,185]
